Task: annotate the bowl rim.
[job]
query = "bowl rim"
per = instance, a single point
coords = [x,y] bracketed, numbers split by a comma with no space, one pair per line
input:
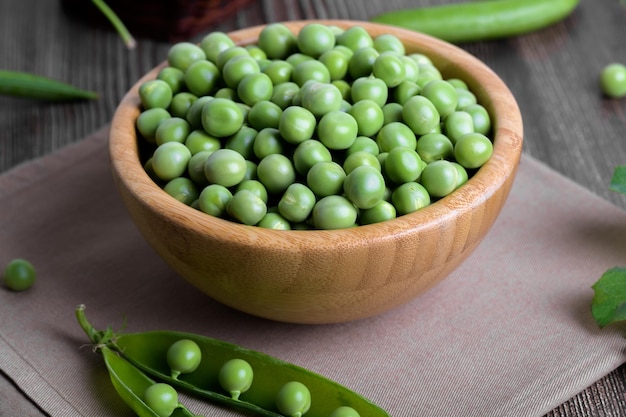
[507,135]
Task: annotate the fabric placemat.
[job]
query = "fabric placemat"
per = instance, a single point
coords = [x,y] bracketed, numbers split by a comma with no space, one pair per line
[509,333]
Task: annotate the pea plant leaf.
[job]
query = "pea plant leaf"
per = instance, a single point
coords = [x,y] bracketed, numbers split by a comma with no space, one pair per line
[609,301]
[618,182]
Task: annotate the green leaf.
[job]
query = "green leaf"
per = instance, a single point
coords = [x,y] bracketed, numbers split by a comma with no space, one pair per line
[609,300]
[618,182]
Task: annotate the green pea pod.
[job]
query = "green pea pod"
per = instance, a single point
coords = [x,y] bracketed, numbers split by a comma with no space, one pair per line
[130,384]
[482,20]
[22,84]
[147,351]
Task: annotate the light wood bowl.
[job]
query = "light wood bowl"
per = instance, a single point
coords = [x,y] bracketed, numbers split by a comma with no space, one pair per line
[334,276]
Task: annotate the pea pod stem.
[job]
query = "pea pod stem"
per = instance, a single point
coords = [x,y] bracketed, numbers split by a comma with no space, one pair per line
[26,85]
[480,20]
[117,23]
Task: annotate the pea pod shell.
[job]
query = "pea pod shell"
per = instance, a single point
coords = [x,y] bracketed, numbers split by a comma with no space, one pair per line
[22,84]
[147,351]
[130,384]
[480,20]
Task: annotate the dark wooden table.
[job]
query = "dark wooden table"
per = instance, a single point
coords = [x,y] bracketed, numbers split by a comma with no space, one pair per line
[553,73]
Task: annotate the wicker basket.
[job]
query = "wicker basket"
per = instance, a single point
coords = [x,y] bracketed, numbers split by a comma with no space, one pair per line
[166,20]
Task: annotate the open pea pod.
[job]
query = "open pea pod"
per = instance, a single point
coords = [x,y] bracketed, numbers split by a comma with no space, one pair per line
[147,352]
[130,384]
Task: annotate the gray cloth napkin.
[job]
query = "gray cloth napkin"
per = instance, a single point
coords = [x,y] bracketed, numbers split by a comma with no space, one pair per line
[509,333]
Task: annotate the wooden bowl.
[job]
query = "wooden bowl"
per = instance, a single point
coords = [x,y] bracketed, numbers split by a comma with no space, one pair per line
[333,276]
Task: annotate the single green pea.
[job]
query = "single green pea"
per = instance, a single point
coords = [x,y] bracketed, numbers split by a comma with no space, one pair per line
[297,124]
[354,38]
[195,168]
[235,377]
[361,63]
[182,189]
[363,144]
[428,72]
[225,167]
[297,58]
[162,398]
[155,93]
[198,140]
[334,212]
[337,130]
[395,134]
[174,129]
[279,71]
[321,98]
[403,165]
[277,41]
[336,62]
[458,83]
[388,42]
[222,117]
[274,221]
[308,153]
[214,199]
[19,275]
[442,94]
[183,357]
[214,43]
[246,207]
[613,80]
[410,197]
[369,88]
[326,178]
[170,160]
[465,98]
[257,53]
[264,114]
[296,203]
[276,172]
[458,124]
[473,150]
[360,158]
[462,175]
[434,146]
[194,113]
[420,114]
[243,141]
[226,92]
[284,93]
[439,178]
[268,141]
[254,88]
[229,54]
[368,115]
[392,112]
[389,67]
[174,77]
[364,186]
[201,77]
[480,118]
[411,69]
[382,211]
[148,121]
[315,38]
[344,411]
[181,103]
[236,68]
[310,69]
[255,187]
[182,54]
[404,91]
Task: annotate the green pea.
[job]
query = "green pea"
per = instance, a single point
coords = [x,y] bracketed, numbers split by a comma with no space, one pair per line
[373,89]
[388,42]
[442,94]
[434,146]
[19,275]
[308,153]
[155,93]
[279,71]
[310,69]
[389,67]
[225,167]
[480,118]
[195,168]
[326,178]
[334,212]
[181,103]
[613,80]
[214,43]
[392,112]
[246,207]
[321,98]
[337,130]
[364,186]
[183,357]
[315,38]
[368,115]
[420,114]
[274,221]
[236,68]
[457,124]
[296,203]
[194,114]
[465,98]
[344,411]
[243,141]
[439,178]
[214,199]
[201,77]
[257,53]
[355,37]
[170,160]
[336,62]
[297,58]
[268,141]
[410,197]
[174,77]
[411,69]
[462,175]
[276,172]
[296,124]
[361,63]
[403,165]
[162,398]
[473,150]
[364,144]
[428,72]
[182,189]
[382,211]
[148,121]
[229,54]
[222,117]
[235,377]
[255,187]
[404,91]
[284,93]
[360,158]
[277,41]
[174,129]
[198,140]
[254,88]
[395,134]
[181,55]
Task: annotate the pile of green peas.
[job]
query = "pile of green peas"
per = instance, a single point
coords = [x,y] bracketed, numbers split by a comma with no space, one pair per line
[293,399]
[328,128]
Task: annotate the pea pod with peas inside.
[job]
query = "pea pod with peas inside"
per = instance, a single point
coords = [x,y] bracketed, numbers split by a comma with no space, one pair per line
[480,20]
[259,383]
